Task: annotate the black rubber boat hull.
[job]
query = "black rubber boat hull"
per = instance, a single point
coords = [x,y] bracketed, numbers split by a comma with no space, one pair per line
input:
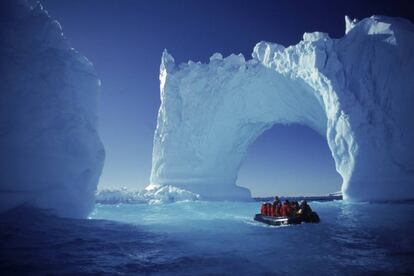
[277,221]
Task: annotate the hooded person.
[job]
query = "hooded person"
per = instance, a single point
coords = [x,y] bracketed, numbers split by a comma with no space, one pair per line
[305,209]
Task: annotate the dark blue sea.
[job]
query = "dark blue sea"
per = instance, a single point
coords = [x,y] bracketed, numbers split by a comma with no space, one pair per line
[209,238]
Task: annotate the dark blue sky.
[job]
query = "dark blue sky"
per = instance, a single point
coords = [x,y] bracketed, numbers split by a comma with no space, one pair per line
[125,39]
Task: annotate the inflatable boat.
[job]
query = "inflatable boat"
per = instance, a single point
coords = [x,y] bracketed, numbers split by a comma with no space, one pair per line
[277,221]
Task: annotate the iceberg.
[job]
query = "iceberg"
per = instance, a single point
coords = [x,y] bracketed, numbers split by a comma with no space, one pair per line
[355,91]
[51,154]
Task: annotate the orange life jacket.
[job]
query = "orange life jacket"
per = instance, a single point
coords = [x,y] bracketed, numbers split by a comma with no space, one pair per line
[262,209]
[277,211]
[268,209]
[286,210]
[271,211]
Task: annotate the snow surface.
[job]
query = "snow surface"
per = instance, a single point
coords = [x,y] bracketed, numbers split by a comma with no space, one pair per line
[51,154]
[356,91]
[156,195]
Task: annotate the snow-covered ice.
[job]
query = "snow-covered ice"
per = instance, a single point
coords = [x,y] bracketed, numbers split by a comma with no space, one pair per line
[155,195]
[356,91]
[51,155]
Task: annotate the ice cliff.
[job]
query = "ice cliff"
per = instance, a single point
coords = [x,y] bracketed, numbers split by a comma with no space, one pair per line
[51,154]
[356,91]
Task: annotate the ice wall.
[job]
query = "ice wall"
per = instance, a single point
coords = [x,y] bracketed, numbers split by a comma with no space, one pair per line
[51,155]
[356,91]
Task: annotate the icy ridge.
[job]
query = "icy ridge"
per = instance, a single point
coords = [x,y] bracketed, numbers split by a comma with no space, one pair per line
[355,91]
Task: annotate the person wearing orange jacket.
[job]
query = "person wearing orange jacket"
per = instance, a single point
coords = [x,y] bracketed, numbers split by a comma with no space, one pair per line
[276,206]
[278,209]
[286,210]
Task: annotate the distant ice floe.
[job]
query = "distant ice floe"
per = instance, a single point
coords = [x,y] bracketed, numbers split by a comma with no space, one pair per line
[156,195]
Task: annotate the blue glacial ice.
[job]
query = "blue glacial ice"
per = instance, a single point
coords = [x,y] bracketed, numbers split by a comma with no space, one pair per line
[51,154]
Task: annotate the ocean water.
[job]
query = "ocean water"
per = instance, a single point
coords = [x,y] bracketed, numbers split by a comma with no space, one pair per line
[204,238]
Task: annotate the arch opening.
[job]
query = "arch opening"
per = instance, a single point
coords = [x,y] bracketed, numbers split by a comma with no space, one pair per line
[289,160]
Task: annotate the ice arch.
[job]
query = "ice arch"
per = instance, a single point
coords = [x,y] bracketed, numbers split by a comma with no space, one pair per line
[357,91]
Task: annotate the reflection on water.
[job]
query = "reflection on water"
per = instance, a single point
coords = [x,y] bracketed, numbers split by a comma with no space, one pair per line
[204,238]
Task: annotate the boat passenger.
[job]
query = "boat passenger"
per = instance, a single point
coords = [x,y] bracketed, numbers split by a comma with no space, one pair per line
[295,207]
[278,209]
[305,209]
[276,201]
[286,210]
